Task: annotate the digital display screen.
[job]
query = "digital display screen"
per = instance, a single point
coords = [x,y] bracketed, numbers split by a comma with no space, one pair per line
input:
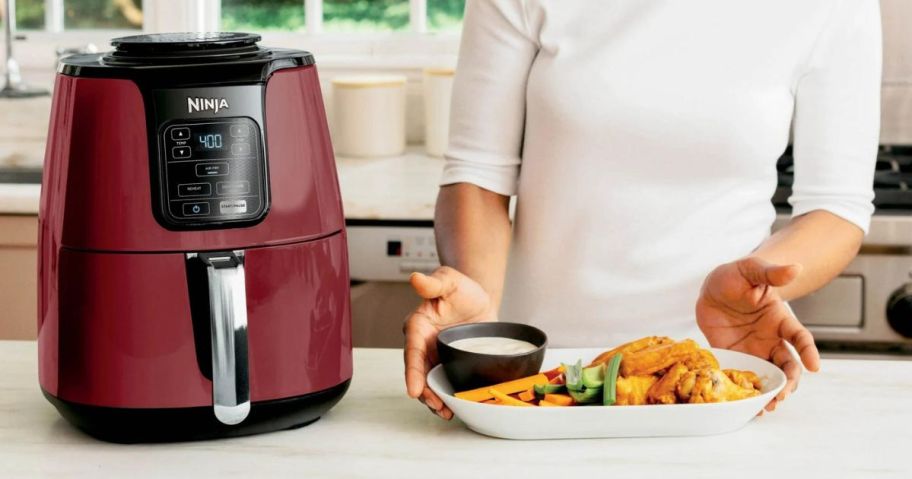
[210,141]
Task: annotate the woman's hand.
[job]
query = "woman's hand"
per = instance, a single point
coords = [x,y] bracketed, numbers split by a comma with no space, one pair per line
[740,309]
[450,298]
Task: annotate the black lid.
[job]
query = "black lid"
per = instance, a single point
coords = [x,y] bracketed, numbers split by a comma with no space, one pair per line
[181,48]
[186,59]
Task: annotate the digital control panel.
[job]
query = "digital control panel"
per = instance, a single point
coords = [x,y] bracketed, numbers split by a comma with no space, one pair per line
[213,171]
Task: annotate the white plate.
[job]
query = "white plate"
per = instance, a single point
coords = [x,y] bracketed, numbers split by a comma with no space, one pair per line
[613,421]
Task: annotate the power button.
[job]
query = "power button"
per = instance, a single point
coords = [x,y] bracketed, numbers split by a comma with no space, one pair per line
[196,209]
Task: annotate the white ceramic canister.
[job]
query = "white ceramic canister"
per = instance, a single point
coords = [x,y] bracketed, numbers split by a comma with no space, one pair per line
[438,88]
[369,115]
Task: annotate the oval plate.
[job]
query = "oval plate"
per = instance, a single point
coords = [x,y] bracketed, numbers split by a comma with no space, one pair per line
[614,421]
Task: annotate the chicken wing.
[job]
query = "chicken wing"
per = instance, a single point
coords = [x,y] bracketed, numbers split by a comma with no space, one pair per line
[663,391]
[705,359]
[710,385]
[632,390]
[745,379]
[658,358]
[631,347]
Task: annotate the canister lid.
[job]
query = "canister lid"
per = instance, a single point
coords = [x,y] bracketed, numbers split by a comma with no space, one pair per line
[440,71]
[171,60]
[190,47]
[368,81]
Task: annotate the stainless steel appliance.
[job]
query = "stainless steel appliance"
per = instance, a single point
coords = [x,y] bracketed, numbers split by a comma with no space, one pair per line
[868,308]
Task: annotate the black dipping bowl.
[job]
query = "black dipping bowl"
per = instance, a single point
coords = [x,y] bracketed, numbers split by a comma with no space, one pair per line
[467,370]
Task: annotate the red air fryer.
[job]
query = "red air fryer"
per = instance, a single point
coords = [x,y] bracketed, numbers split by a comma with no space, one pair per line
[193,276]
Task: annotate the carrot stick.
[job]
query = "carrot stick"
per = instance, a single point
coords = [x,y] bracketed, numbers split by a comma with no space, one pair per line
[559,399]
[528,395]
[507,400]
[544,403]
[510,387]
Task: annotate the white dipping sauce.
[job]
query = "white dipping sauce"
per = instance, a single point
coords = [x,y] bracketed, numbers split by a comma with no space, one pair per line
[494,345]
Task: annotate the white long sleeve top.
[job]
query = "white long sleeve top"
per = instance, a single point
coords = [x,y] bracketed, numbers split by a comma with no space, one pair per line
[641,139]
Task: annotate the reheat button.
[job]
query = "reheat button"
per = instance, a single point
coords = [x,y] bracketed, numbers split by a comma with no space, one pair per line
[194,189]
[212,169]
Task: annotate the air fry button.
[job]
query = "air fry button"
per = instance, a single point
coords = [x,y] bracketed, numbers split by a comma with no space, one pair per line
[212,169]
[196,209]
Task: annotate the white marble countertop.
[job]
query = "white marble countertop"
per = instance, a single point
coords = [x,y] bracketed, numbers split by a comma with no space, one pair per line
[851,420]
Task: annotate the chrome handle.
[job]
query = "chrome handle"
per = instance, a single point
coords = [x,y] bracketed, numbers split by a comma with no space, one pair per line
[228,330]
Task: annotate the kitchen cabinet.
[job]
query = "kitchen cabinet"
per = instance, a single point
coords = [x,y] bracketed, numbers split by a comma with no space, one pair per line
[18,276]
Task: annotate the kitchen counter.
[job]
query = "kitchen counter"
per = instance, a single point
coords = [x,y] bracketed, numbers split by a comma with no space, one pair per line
[851,420]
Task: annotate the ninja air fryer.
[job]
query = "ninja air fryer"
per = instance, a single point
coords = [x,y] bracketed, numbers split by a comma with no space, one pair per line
[193,274]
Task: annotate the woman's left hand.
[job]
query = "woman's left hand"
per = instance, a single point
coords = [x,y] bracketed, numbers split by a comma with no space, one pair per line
[740,309]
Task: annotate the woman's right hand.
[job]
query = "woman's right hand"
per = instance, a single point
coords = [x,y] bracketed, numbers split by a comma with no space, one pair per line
[450,298]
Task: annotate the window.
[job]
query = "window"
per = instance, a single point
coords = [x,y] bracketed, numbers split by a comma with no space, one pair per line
[258,15]
[81,14]
[103,14]
[342,16]
[338,16]
[365,15]
[30,14]
[445,15]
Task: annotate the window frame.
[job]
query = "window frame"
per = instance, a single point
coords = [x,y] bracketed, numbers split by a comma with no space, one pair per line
[410,49]
[54,15]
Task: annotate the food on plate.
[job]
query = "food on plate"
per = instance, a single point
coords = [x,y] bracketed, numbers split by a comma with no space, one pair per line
[494,345]
[651,370]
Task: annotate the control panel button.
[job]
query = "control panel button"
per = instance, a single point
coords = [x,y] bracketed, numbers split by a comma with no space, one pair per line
[240,131]
[240,149]
[196,209]
[212,169]
[233,207]
[180,152]
[194,189]
[180,133]
[228,188]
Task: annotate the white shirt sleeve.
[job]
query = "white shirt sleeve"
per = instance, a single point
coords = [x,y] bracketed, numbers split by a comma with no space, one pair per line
[487,115]
[837,117]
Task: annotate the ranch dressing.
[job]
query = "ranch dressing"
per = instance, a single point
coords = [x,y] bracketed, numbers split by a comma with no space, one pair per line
[494,345]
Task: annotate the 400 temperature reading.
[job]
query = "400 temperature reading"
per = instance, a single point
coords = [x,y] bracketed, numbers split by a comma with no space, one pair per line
[211,141]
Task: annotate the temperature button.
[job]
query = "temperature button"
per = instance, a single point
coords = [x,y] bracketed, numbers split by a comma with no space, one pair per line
[240,131]
[240,149]
[180,152]
[180,133]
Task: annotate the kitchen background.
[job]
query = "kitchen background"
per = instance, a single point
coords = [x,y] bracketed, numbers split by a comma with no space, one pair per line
[388,62]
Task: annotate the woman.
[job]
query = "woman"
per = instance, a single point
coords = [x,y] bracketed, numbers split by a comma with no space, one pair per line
[640,138]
